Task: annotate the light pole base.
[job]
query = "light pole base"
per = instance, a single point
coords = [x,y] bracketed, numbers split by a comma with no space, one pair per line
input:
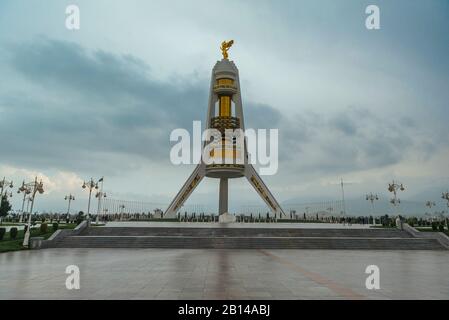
[226,218]
[26,239]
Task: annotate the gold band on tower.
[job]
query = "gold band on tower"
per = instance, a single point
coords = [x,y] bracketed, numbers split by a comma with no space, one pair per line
[225,106]
[225,100]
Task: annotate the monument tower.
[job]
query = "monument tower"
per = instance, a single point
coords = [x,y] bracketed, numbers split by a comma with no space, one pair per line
[225,113]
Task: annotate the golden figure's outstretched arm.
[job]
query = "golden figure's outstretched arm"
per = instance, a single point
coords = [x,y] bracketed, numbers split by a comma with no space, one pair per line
[225,47]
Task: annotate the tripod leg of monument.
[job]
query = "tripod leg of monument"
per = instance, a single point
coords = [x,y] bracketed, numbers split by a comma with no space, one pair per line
[192,182]
[263,191]
[223,197]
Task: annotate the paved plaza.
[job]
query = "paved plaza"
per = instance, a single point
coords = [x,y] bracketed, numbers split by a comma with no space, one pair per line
[223,274]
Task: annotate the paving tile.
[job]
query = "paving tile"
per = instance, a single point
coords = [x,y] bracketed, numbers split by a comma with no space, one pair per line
[205,274]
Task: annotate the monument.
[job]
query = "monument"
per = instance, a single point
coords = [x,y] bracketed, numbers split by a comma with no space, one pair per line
[225,113]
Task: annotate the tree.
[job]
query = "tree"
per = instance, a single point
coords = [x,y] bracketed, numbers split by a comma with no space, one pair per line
[80,217]
[5,207]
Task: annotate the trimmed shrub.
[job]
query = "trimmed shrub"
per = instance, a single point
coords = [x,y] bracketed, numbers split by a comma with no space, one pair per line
[434,226]
[13,233]
[2,233]
[55,226]
[441,227]
[44,228]
[413,222]
[79,220]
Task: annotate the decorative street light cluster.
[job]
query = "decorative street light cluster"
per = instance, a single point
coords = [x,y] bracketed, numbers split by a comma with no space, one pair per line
[395,187]
[69,198]
[4,184]
[445,196]
[122,209]
[91,185]
[372,197]
[33,187]
[430,204]
[26,191]
[100,195]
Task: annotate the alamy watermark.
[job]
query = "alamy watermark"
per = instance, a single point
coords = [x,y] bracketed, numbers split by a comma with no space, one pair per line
[372,22]
[372,282]
[73,280]
[227,148]
[72,20]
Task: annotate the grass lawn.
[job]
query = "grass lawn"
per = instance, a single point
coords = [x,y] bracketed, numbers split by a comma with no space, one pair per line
[9,224]
[7,244]
[429,229]
[383,227]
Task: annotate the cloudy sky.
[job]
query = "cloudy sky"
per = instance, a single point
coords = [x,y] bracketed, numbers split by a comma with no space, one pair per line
[365,105]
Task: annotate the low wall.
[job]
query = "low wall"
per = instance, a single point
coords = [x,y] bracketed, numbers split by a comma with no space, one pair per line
[440,236]
[38,243]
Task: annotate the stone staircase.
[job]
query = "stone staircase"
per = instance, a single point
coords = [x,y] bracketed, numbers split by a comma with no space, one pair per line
[245,238]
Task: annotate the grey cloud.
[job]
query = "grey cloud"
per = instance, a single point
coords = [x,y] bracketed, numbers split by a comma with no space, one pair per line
[261,116]
[353,138]
[103,78]
[344,123]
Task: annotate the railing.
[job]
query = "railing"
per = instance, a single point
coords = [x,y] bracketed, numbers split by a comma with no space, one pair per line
[222,123]
[225,86]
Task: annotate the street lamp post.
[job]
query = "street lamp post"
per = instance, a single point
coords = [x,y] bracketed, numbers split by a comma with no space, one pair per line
[122,207]
[445,196]
[35,187]
[430,204]
[105,213]
[90,185]
[343,197]
[395,187]
[100,195]
[69,198]
[5,184]
[372,197]
[29,199]
[26,190]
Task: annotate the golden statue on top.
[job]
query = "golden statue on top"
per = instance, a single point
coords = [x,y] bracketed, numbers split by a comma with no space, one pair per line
[225,47]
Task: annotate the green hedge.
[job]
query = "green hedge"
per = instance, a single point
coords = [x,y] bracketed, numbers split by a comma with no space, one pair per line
[13,233]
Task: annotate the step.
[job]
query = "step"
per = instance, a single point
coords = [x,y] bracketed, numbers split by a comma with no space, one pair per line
[195,242]
[253,232]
